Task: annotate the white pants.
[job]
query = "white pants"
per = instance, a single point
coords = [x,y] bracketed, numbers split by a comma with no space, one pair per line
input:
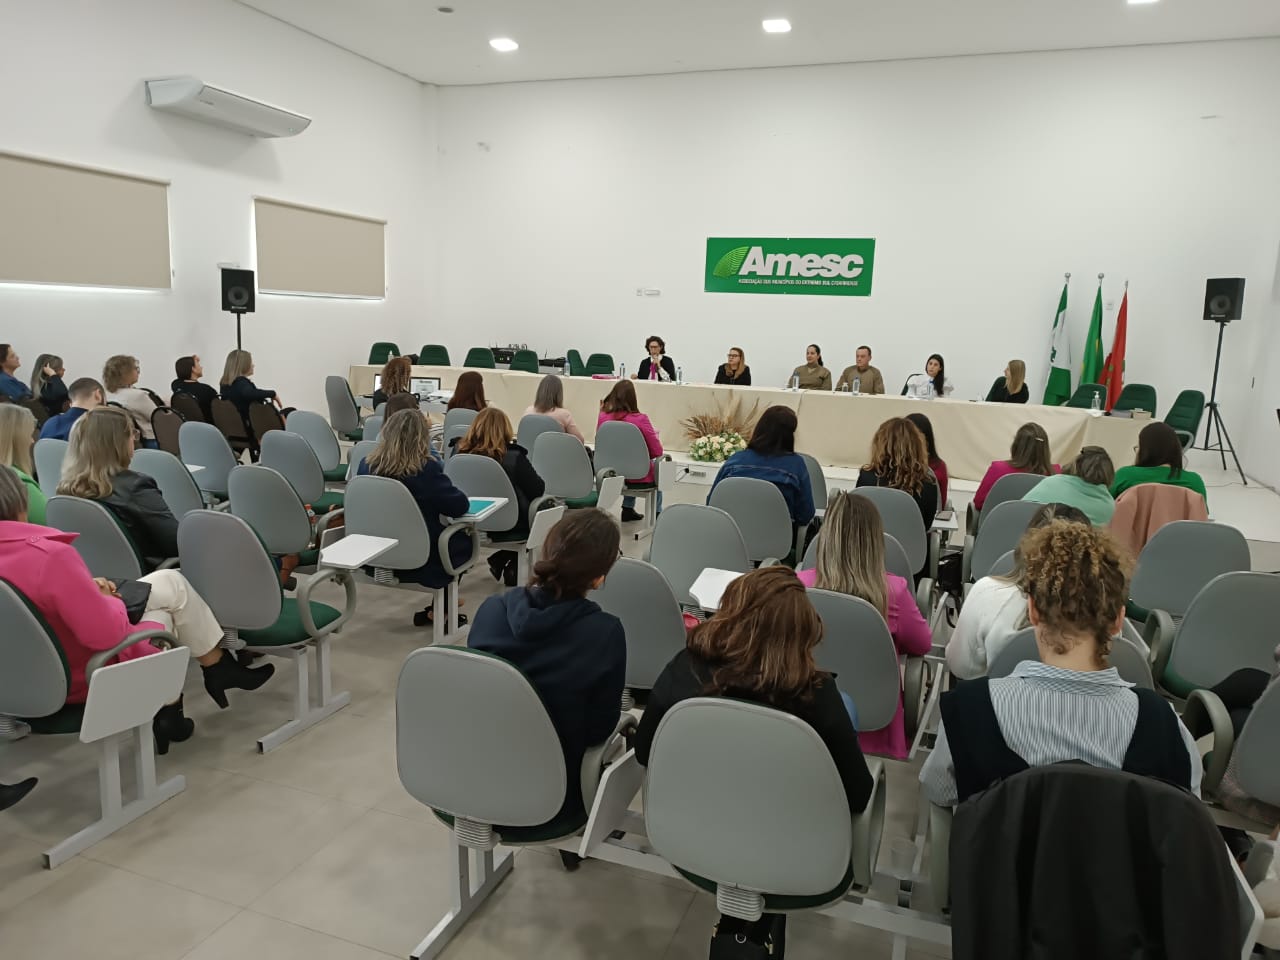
[179,609]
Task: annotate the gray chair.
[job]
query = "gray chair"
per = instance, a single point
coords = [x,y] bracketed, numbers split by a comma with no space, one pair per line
[123,699]
[344,415]
[1180,560]
[1000,533]
[49,454]
[264,499]
[459,416]
[761,513]
[291,455]
[562,463]
[638,594]
[102,542]
[1129,660]
[359,450]
[203,445]
[478,476]
[533,424]
[373,427]
[177,486]
[1253,755]
[704,793]
[690,538]
[324,444]
[1002,567]
[1012,486]
[817,482]
[226,563]
[901,518]
[620,448]
[456,424]
[895,562]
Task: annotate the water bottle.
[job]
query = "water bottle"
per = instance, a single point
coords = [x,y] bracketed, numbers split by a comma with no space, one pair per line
[679,374]
[622,371]
[566,367]
[795,382]
[1096,402]
[857,385]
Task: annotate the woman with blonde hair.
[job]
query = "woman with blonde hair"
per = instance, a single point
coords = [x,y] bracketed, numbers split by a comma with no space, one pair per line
[900,459]
[236,387]
[851,560]
[1084,484]
[1028,453]
[119,378]
[734,371]
[549,402]
[490,435]
[759,647]
[394,379]
[17,428]
[47,385]
[1012,387]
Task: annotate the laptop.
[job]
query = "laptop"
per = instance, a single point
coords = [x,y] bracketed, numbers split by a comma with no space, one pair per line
[422,387]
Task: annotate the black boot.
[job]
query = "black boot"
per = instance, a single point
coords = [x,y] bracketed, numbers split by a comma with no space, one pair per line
[171,726]
[497,563]
[11,793]
[229,674]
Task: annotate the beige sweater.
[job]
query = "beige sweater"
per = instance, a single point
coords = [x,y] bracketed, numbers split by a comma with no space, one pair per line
[815,377]
[870,380]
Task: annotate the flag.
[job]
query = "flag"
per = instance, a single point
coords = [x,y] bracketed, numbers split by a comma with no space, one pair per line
[1113,369]
[1091,369]
[1057,390]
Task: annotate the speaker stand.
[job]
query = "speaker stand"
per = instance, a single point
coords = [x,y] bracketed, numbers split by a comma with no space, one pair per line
[1215,415]
[240,313]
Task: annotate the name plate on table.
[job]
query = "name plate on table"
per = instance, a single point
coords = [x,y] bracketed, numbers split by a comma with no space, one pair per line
[790,265]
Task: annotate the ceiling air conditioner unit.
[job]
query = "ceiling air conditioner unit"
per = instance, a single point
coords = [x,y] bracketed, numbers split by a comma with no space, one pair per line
[194,98]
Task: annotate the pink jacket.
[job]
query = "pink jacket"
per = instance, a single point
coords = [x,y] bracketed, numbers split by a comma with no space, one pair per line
[650,437]
[42,565]
[998,469]
[1144,509]
[561,416]
[912,637]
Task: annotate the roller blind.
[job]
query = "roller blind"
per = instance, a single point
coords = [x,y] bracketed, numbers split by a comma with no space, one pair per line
[61,223]
[319,252]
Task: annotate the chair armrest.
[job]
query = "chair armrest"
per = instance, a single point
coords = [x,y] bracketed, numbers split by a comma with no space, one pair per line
[171,563]
[970,520]
[940,855]
[1186,437]
[770,562]
[966,558]
[305,587]
[537,503]
[924,597]
[1207,703]
[324,520]
[1160,632]
[931,675]
[609,809]
[447,534]
[597,757]
[935,549]
[160,639]
[868,829]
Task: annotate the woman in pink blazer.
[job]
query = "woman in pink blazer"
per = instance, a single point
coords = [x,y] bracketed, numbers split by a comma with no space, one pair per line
[621,404]
[851,560]
[1029,453]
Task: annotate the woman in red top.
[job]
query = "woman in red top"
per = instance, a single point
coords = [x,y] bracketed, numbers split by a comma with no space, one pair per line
[1029,453]
[621,404]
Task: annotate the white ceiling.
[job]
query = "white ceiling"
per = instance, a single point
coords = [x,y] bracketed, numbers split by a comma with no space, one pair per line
[562,39]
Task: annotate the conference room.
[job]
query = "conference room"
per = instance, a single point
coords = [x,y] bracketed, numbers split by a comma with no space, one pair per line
[610,464]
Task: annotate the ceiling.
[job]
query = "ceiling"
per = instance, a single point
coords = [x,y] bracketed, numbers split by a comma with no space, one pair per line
[561,39]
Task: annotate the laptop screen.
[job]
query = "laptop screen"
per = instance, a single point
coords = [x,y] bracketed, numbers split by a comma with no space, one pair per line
[422,386]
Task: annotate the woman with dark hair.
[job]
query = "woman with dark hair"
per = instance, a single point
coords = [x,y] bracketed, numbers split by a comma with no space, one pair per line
[393,379]
[936,463]
[573,653]
[47,384]
[771,455]
[900,460]
[1029,453]
[189,371]
[1158,460]
[468,393]
[812,375]
[11,386]
[657,365]
[621,404]
[1082,484]
[759,647]
[932,383]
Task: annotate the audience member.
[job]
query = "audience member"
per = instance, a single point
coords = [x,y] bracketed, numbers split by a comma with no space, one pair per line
[237,388]
[395,378]
[85,393]
[771,456]
[47,385]
[189,371]
[812,375]
[11,386]
[1012,387]
[657,365]
[17,428]
[900,459]
[932,383]
[549,402]
[1158,460]
[851,560]
[621,404]
[468,392]
[868,377]
[120,376]
[936,463]
[1082,484]
[1071,705]
[759,647]
[734,371]
[1029,453]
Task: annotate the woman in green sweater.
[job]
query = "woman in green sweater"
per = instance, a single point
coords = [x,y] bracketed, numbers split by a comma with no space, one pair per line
[17,432]
[1159,460]
[1082,484]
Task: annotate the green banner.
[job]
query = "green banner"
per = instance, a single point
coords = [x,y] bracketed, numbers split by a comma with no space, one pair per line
[834,268]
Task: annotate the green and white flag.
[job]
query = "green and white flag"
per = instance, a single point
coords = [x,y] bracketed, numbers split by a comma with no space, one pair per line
[1057,390]
[1091,369]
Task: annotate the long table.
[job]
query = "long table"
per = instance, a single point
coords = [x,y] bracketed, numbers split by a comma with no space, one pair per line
[835,428]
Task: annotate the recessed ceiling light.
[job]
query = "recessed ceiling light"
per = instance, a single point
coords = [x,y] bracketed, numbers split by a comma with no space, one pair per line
[1134,3]
[776,26]
[504,44]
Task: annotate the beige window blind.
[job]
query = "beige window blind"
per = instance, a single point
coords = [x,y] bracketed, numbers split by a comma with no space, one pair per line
[319,252]
[66,224]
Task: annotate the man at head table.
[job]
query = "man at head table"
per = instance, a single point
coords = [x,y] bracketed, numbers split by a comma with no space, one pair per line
[869,379]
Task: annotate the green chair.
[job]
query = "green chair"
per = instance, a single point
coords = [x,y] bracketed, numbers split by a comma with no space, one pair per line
[525,360]
[576,367]
[1184,416]
[1083,397]
[479,357]
[434,355]
[382,351]
[600,363]
[1137,396]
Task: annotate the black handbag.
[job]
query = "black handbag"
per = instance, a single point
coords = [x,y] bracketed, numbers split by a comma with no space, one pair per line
[135,595]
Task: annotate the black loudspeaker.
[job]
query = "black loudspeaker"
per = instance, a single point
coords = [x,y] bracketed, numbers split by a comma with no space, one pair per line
[237,290]
[1223,298]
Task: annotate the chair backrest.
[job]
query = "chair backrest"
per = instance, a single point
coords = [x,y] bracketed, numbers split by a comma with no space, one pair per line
[1137,396]
[1184,416]
[1181,559]
[562,463]
[1083,397]
[817,481]
[479,357]
[895,559]
[703,792]
[49,454]
[1130,662]
[1012,486]
[534,424]
[293,457]
[690,538]
[373,427]
[760,511]
[620,447]
[186,406]
[600,363]
[525,360]
[268,503]
[459,417]
[37,408]
[102,543]
[227,565]
[1144,510]
[263,418]
[35,679]
[639,595]
[311,427]
[1255,751]
[433,355]
[1001,568]
[165,424]
[359,450]
[576,367]
[1000,533]
[507,770]
[901,517]
[478,476]
[383,507]
[858,648]
[343,412]
[171,475]
[227,419]
[203,445]
[1230,625]
[382,351]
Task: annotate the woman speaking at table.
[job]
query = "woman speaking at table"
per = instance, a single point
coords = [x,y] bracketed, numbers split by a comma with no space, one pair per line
[657,365]
[734,371]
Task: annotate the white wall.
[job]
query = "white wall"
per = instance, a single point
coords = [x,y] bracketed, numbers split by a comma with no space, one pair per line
[71,75]
[982,179]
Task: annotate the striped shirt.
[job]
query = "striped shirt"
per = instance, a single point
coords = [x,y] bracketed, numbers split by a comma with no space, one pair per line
[1047,715]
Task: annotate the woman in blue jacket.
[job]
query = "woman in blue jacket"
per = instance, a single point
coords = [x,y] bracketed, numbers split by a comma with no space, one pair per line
[771,455]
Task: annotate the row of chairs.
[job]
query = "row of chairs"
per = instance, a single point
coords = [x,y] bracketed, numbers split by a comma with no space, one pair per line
[437,355]
[1184,416]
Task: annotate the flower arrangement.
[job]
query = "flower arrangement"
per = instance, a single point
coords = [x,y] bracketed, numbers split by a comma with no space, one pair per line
[716,448]
[716,436]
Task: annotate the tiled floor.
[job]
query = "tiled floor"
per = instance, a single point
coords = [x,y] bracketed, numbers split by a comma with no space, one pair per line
[315,851]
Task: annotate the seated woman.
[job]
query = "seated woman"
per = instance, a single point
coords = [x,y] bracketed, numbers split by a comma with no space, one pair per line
[190,370]
[573,653]
[96,467]
[549,402]
[657,365]
[812,375]
[759,647]
[932,383]
[89,615]
[17,426]
[771,455]
[394,379]
[851,560]
[120,377]
[936,463]
[47,384]
[404,453]
[10,386]
[621,404]
[1071,705]
[1012,387]
[1082,484]
[237,388]
[1029,453]
[1158,460]
[995,608]
[899,459]
[734,371]
[468,393]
